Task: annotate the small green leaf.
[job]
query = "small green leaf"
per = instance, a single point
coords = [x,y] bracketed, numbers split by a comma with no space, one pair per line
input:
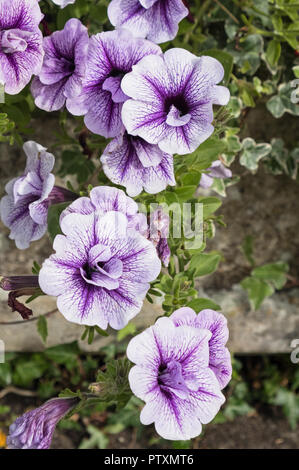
[204,263]
[201,304]
[42,327]
[273,272]
[257,290]
[273,52]
[210,205]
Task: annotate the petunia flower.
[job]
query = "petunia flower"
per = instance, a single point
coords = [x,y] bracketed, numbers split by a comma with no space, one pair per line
[103,199]
[63,3]
[101,271]
[110,56]
[156,20]
[134,163]
[34,429]
[63,67]
[216,323]
[25,207]
[172,99]
[21,51]
[173,377]
[216,170]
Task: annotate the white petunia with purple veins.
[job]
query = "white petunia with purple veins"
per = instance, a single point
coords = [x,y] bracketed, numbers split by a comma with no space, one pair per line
[156,20]
[216,323]
[21,50]
[63,70]
[172,99]
[173,377]
[110,56]
[134,163]
[25,207]
[101,271]
[103,199]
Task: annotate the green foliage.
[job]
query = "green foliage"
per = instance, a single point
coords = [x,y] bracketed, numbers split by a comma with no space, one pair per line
[263,281]
[53,219]
[112,386]
[42,327]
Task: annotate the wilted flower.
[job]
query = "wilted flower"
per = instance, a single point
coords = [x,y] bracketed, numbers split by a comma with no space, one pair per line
[137,165]
[101,270]
[21,51]
[110,56]
[216,170]
[25,207]
[34,429]
[158,233]
[63,67]
[173,377]
[172,98]
[156,20]
[216,323]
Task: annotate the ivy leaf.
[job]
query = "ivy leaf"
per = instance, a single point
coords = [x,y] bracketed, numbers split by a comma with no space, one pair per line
[42,327]
[97,439]
[252,153]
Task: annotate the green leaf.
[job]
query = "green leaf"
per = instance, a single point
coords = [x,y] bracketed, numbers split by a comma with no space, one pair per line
[97,439]
[53,219]
[257,290]
[290,405]
[5,374]
[204,263]
[247,247]
[273,272]
[184,193]
[273,52]
[206,153]
[202,304]
[63,353]
[42,327]
[210,205]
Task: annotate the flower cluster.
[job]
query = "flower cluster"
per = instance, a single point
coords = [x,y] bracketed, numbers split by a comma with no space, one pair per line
[152,105]
[181,366]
